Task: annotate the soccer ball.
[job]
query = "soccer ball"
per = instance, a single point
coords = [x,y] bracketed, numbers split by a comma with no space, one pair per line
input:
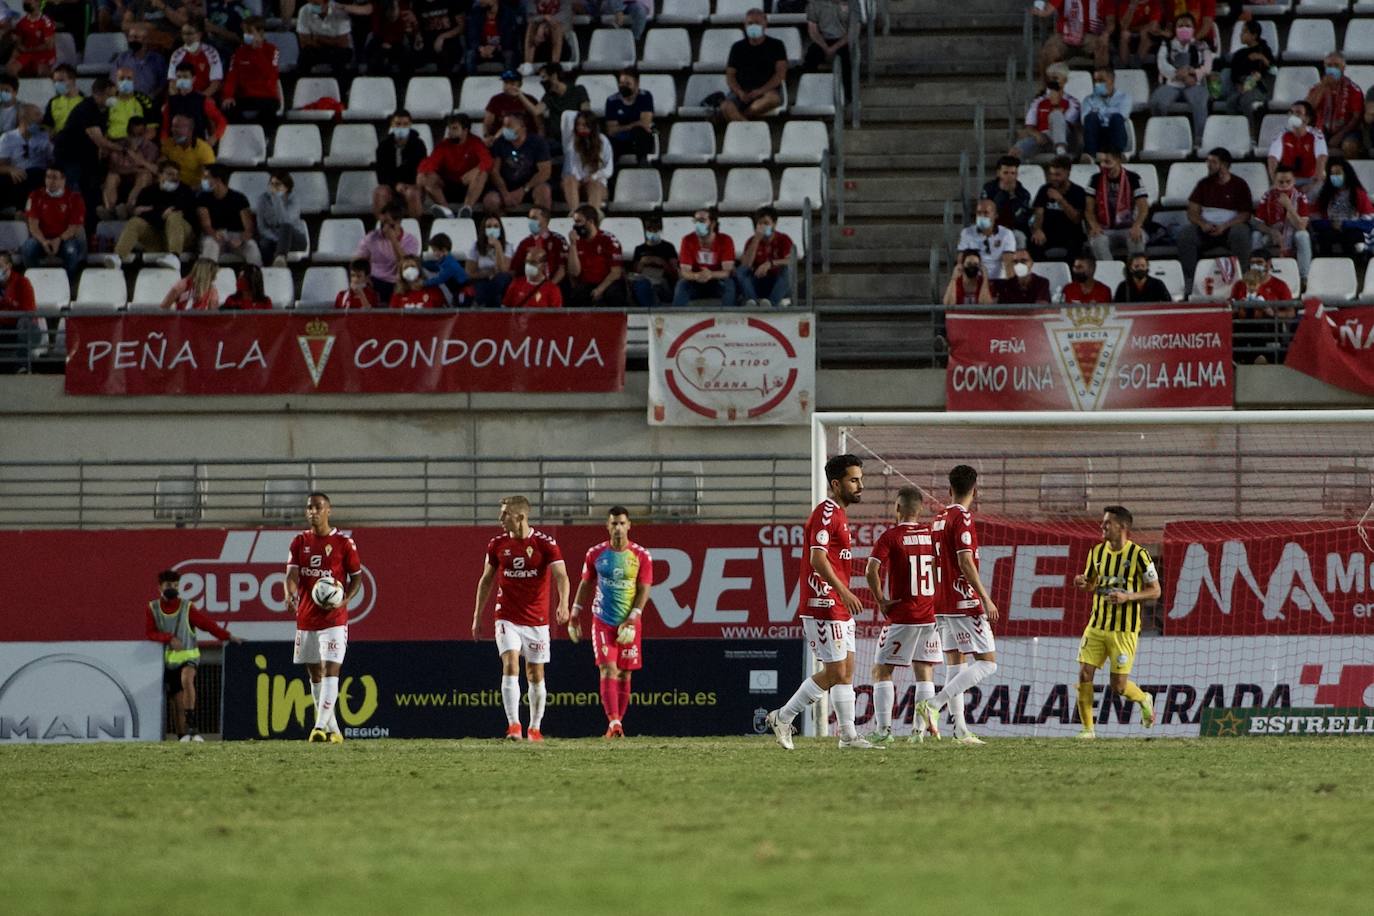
[328,594]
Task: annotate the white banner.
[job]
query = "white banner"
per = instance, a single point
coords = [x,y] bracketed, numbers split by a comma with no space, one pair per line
[1033,693]
[80,691]
[740,367]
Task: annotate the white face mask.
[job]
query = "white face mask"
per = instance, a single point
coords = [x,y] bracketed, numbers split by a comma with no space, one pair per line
[1021,270]
[532,272]
[192,47]
[1294,122]
[411,274]
[169,186]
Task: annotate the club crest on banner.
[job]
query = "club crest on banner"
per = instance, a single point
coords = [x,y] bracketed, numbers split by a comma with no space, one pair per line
[316,345]
[1086,341]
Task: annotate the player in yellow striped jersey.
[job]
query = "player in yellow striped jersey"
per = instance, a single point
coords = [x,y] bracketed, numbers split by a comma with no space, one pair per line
[1120,575]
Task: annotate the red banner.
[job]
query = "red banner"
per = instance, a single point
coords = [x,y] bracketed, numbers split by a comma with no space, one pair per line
[1266,578]
[1101,357]
[1335,345]
[356,352]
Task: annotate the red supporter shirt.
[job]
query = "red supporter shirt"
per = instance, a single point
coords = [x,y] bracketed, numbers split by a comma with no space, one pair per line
[502,104]
[1272,211]
[827,529]
[316,556]
[522,573]
[1335,107]
[428,297]
[1146,12]
[954,533]
[691,254]
[1091,19]
[1099,293]
[1299,153]
[1038,115]
[199,620]
[253,72]
[525,295]
[16,296]
[1196,8]
[1271,290]
[32,33]
[551,243]
[453,160]
[597,256]
[205,65]
[907,557]
[352,299]
[777,248]
[56,215]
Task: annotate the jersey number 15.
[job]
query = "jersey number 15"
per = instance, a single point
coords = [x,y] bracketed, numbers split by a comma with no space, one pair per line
[923,576]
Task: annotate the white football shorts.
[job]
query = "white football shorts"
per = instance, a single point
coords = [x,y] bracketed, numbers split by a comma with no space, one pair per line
[830,640]
[316,646]
[902,643]
[531,642]
[969,635]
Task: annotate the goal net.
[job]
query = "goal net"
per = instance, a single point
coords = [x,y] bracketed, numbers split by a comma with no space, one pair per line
[1258,522]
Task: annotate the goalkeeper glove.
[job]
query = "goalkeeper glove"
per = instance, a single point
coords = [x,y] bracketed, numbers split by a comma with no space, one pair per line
[626,634]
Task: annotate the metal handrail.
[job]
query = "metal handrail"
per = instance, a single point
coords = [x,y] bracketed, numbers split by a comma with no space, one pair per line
[856,52]
[980,139]
[808,234]
[1011,100]
[966,193]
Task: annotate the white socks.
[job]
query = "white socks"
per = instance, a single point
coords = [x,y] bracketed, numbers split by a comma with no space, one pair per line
[808,693]
[884,693]
[325,703]
[842,698]
[965,678]
[510,697]
[538,695]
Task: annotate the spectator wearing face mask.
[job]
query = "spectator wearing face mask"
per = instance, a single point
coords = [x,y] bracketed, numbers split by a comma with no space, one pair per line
[252,88]
[1281,220]
[249,294]
[1116,208]
[191,154]
[1299,148]
[588,163]
[1050,120]
[764,277]
[1105,114]
[1259,321]
[25,154]
[1139,286]
[969,283]
[399,155]
[384,247]
[522,170]
[511,100]
[1339,107]
[488,263]
[35,40]
[1201,13]
[542,238]
[360,294]
[280,227]
[443,271]
[654,267]
[132,170]
[207,121]
[1184,63]
[458,169]
[596,276]
[66,96]
[1024,286]
[128,103]
[993,243]
[1344,216]
[410,291]
[754,72]
[1083,285]
[207,70]
[533,288]
[1269,287]
[146,63]
[630,118]
[706,262]
[227,224]
[9,103]
[162,219]
[82,144]
[560,96]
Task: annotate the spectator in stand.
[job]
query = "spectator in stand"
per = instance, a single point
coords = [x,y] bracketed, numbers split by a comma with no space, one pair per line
[638,12]
[66,96]
[754,72]
[163,20]
[1218,216]
[280,227]
[1083,285]
[522,169]
[533,288]
[654,267]
[57,225]
[630,118]
[249,294]
[546,24]
[1105,115]
[207,121]
[969,283]
[493,35]
[445,272]
[1011,198]
[560,96]
[224,21]
[542,238]
[829,24]
[1248,80]
[325,33]
[993,243]
[596,275]
[1339,107]
[440,26]
[1116,208]
[1184,63]
[69,16]
[162,219]
[226,219]
[252,89]
[390,48]
[143,59]
[399,155]
[459,168]
[410,291]
[190,153]
[488,263]
[1139,286]
[196,291]
[1081,28]
[18,335]
[35,37]
[511,100]
[360,294]
[1268,288]
[1343,218]
[132,169]
[9,103]
[1281,220]
[588,163]
[764,277]
[706,262]
[384,247]
[1299,148]
[1201,13]
[128,104]
[1024,286]
[25,154]
[207,70]
[1051,119]
[1138,28]
[81,144]
[1059,206]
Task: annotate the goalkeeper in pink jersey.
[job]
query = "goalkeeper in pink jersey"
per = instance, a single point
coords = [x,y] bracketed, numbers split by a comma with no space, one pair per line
[616,577]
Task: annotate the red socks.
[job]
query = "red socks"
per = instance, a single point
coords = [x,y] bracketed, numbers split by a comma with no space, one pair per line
[624,696]
[615,697]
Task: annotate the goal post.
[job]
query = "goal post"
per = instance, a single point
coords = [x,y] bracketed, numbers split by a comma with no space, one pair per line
[1259,523]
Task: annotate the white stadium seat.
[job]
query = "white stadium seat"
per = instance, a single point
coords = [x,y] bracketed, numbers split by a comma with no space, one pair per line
[311,192]
[338,242]
[663,88]
[476,93]
[249,184]
[243,146]
[1057,272]
[683,12]
[1359,41]
[610,49]
[1168,137]
[699,86]
[1183,177]
[277,284]
[1270,127]
[715,48]
[628,230]
[151,286]
[322,285]
[600,87]
[637,191]
[1254,174]
[310,89]
[815,95]
[288,50]
[746,143]
[802,143]
[226,282]
[1080,84]
[51,288]
[791,40]
[731,12]
[798,183]
[352,146]
[1291,85]
[1231,132]
[691,143]
[99,289]
[1137,83]
[746,189]
[370,98]
[462,233]
[429,98]
[1110,273]
[1309,39]
[101,50]
[1032,178]
[691,189]
[353,194]
[1332,279]
[296,146]
[666,49]
[1321,7]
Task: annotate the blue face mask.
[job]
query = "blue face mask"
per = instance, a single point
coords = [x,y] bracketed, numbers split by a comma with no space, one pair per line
[205,185]
[1100,89]
[1337,180]
[703,229]
[493,232]
[59,86]
[754,30]
[984,222]
[534,227]
[6,96]
[184,84]
[400,133]
[768,232]
[652,238]
[509,133]
[1333,72]
[126,86]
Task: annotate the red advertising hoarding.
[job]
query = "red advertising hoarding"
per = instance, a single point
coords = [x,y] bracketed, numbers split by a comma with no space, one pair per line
[1335,345]
[357,352]
[1090,357]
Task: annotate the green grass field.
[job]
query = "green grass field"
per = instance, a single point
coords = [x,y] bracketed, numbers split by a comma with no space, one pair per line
[689,826]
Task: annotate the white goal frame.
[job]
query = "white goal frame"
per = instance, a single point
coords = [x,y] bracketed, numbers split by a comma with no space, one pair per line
[823,421]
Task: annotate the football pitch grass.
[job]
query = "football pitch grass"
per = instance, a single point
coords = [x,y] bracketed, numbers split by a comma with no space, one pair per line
[648,825]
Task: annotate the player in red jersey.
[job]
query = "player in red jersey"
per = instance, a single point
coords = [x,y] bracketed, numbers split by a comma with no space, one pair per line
[323,552]
[827,607]
[961,607]
[905,555]
[520,563]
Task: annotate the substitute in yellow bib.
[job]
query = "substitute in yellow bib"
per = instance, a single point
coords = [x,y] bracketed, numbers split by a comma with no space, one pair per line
[1120,575]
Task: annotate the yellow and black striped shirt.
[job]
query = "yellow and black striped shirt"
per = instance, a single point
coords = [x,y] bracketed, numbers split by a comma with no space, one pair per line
[1128,570]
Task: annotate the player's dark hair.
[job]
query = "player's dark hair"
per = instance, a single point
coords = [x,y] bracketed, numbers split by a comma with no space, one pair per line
[962,479]
[617,510]
[835,467]
[169,575]
[1121,514]
[908,500]
[322,496]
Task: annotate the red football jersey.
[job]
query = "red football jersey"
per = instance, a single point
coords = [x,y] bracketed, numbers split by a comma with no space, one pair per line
[953,532]
[316,557]
[827,529]
[522,568]
[906,553]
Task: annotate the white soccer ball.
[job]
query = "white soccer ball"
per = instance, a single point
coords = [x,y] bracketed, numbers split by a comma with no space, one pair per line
[328,594]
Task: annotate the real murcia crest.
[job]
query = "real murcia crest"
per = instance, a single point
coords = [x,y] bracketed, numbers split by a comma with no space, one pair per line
[1086,341]
[316,345]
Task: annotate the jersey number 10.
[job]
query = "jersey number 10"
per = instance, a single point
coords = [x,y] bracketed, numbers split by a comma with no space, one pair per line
[923,576]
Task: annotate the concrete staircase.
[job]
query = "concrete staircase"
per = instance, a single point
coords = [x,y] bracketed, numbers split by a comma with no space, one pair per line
[902,164]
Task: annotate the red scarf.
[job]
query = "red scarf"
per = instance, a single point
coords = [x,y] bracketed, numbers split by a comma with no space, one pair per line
[1331,113]
[1106,215]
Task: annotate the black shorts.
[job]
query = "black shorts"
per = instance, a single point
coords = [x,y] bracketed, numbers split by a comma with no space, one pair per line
[171,678]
